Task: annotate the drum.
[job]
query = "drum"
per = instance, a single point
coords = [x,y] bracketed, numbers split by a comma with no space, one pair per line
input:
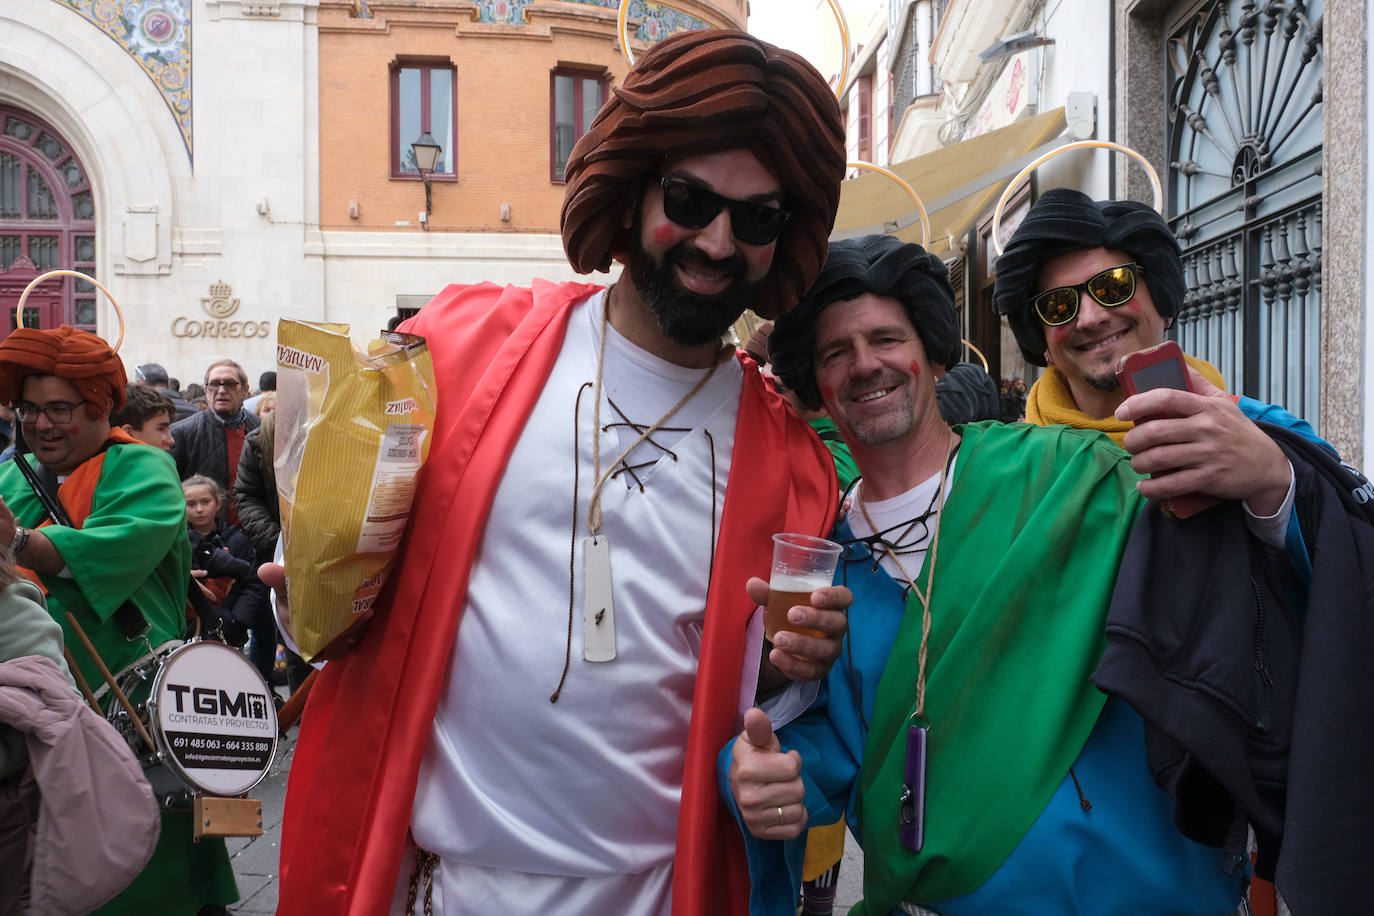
[213,719]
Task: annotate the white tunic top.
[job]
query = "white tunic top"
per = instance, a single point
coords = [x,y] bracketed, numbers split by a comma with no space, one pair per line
[576,803]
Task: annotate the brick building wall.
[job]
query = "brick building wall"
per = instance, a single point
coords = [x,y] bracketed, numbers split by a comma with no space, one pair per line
[503,108]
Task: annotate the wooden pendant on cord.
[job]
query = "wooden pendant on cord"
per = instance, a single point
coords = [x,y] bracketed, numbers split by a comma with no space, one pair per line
[598,611]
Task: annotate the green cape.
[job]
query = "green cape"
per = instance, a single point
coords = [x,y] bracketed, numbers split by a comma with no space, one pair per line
[1031,536]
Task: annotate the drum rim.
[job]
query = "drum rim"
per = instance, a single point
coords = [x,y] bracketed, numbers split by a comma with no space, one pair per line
[164,750]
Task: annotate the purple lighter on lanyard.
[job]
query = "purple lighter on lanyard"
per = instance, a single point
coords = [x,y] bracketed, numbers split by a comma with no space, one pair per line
[911,814]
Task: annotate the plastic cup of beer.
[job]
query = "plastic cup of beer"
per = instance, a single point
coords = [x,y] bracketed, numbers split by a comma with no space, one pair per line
[801,564]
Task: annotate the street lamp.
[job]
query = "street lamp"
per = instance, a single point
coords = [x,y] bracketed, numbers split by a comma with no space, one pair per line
[426,153]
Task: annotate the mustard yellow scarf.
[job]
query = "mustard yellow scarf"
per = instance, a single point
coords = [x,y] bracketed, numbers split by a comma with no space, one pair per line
[1050,401]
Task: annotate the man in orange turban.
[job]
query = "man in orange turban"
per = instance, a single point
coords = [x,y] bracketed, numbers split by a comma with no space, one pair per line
[604,479]
[120,566]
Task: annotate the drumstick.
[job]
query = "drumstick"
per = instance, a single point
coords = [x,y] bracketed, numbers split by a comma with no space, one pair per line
[110,682]
[81,681]
[292,709]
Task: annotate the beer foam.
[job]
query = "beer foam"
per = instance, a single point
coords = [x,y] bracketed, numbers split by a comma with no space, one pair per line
[792,582]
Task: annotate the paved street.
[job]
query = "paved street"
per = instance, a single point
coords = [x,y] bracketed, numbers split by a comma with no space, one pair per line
[256,860]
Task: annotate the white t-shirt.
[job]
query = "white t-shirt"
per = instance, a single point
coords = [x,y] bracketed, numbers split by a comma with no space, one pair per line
[580,798]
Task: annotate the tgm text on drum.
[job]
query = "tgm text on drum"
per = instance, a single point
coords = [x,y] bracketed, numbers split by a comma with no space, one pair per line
[211,701]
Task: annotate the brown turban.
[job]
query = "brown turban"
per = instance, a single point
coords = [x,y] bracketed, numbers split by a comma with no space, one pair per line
[67,352]
[702,92]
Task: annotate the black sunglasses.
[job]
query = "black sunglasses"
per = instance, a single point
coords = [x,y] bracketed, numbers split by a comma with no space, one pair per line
[1110,288]
[694,207]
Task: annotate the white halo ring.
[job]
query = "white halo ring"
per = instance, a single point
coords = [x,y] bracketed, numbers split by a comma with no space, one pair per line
[1069,147]
[19,309]
[916,198]
[622,29]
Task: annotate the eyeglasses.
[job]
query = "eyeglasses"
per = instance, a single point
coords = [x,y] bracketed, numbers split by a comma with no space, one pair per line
[1110,288]
[694,207]
[228,384]
[58,412]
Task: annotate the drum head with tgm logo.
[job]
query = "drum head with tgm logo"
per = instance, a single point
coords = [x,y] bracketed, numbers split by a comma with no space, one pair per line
[213,718]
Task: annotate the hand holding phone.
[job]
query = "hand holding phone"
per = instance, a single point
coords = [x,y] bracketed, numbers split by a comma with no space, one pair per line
[1162,366]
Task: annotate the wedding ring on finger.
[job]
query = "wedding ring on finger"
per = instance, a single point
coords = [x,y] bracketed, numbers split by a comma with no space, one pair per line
[780,818]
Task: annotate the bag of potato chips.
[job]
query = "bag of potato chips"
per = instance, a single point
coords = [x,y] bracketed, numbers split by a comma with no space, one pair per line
[353,430]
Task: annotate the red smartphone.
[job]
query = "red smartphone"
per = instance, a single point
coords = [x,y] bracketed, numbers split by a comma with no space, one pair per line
[1162,366]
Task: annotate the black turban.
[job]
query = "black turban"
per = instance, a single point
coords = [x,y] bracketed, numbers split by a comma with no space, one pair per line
[1064,220]
[708,91]
[878,264]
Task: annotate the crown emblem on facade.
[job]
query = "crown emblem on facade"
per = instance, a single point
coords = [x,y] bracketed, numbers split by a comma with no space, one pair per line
[219,305]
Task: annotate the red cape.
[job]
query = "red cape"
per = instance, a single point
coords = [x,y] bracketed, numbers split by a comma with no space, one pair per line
[370,715]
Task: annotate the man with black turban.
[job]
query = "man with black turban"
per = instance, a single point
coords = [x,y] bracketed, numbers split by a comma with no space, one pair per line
[603,480]
[960,732]
[1084,283]
[1068,254]
[120,569]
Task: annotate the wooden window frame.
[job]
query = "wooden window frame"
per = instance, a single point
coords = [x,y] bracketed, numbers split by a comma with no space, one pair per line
[577,74]
[398,144]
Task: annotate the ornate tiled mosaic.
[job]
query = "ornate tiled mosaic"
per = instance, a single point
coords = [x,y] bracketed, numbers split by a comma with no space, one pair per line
[656,21]
[156,34]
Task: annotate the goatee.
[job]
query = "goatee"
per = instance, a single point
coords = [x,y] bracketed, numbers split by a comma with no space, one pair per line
[1105,382]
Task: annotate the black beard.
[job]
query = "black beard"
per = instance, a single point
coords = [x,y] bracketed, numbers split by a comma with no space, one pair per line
[687,318]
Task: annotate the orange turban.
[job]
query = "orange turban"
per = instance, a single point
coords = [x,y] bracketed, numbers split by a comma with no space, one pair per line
[702,92]
[67,352]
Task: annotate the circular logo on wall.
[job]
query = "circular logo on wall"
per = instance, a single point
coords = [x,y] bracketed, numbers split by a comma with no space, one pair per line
[219,304]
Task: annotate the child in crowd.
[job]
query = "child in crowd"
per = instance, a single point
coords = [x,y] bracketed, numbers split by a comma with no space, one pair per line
[147,415]
[222,559]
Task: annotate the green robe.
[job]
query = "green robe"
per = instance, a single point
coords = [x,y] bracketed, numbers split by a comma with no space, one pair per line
[133,546]
[1031,537]
[845,468]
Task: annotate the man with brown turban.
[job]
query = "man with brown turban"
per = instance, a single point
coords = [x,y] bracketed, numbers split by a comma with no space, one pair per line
[604,480]
[121,567]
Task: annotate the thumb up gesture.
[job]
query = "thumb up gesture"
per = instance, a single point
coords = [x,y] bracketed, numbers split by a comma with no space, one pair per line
[766,783]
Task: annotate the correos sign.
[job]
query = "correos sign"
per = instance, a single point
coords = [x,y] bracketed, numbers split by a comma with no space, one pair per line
[219,305]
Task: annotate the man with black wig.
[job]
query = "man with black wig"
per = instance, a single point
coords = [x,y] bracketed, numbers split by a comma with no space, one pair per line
[1066,256]
[556,754]
[982,560]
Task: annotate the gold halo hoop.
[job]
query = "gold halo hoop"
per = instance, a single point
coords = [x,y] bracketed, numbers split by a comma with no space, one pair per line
[915,198]
[975,351]
[622,30]
[844,47]
[19,309]
[1069,147]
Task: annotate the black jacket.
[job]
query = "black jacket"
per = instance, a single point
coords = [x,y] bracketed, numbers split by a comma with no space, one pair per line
[199,447]
[184,407]
[227,553]
[255,490]
[1258,706]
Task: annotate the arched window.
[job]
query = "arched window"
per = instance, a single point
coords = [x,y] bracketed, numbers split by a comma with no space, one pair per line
[47,221]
